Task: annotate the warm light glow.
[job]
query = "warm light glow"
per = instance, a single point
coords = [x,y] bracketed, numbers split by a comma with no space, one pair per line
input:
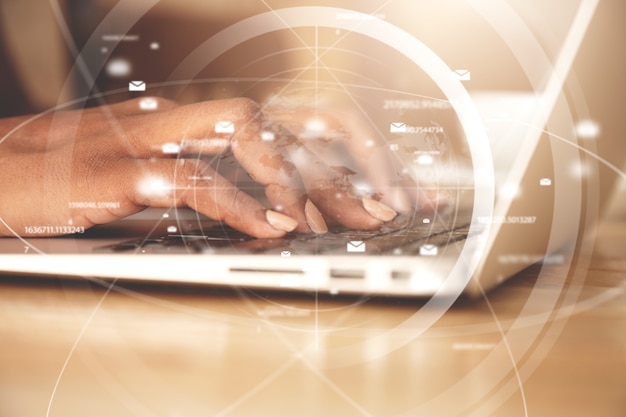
[154,187]
[314,128]
[509,190]
[119,68]
[587,129]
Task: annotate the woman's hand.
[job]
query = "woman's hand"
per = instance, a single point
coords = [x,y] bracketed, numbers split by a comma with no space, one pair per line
[355,148]
[94,166]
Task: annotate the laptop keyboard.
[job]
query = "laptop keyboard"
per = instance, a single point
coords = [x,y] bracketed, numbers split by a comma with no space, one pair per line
[403,236]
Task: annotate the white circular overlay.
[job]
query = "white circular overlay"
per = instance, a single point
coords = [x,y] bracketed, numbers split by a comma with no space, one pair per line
[440,73]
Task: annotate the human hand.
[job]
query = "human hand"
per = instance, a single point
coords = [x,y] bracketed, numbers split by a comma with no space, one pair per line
[98,165]
[352,145]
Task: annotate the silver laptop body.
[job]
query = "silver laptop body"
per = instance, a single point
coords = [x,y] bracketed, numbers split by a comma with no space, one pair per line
[511,204]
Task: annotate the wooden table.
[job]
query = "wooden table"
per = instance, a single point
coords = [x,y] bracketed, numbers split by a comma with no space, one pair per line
[534,348]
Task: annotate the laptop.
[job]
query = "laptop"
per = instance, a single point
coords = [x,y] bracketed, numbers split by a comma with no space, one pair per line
[499,138]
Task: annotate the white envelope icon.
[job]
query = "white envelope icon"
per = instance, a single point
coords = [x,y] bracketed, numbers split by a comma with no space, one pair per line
[170,148]
[172,229]
[545,182]
[397,127]
[462,74]
[428,249]
[224,127]
[285,253]
[148,103]
[137,86]
[355,246]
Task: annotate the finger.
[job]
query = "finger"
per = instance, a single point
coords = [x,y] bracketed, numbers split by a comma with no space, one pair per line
[377,172]
[270,164]
[65,127]
[214,127]
[130,107]
[389,179]
[192,183]
[380,170]
[140,105]
[336,197]
[346,143]
[201,128]
[325,172]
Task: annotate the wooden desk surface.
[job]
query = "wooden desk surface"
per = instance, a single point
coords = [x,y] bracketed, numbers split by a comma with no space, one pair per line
[535,349]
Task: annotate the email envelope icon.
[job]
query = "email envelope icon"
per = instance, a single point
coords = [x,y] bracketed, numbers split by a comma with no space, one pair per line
[224,127]
[285,253]
[356,246]
[137,86]
[428,249]
[462,74]
[397,127]
[545,182]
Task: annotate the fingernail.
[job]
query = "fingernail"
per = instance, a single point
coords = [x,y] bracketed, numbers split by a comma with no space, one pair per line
[378,210]
[280,222]
[314,218]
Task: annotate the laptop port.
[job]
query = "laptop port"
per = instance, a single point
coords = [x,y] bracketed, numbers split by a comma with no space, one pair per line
[266,270]
[400,275]
[347,273]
